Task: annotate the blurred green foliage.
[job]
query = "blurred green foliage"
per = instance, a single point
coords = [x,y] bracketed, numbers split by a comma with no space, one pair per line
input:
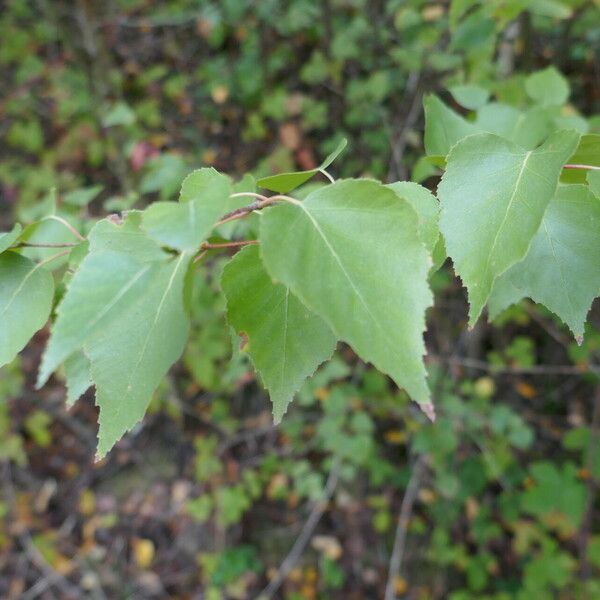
[109,104]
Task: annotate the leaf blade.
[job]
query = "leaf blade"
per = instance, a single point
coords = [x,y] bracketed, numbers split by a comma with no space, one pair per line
[286,342]
[335,227]
[493,196]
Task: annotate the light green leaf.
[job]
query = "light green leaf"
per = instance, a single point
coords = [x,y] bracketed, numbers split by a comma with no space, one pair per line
[443,127]
[527,129]
[562,268]
[124,308]
[26,295]
[550,8]
[78,376]
[204,198]
[425,205]
[493,197]
[548,87]
[82,196]
[286,342]
[286,182]
[470,96]
[8,238]
[351,252]
[593,180]
[587,153]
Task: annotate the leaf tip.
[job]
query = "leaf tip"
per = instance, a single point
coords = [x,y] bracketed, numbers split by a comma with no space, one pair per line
[429,411]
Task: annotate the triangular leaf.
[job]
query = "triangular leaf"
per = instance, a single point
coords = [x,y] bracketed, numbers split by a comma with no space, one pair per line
[285,341]
[26,295]
[351,252]
[286,182]
[124,308]
[184,225]
[493,197]
[562,268]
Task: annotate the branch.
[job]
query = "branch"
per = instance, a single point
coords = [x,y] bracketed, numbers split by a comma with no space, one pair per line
[305,535]
[535,370]
[28,245]
[403,519]
[207,246]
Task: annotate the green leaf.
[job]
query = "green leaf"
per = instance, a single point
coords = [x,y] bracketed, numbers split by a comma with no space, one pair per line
[78,376]
[286,342]
[8,238]
[470,96]
[493,197]
[593,180]
[443,127]
[562,268]
[587,153]
[184,225]
[548,87]
[425,205]
[82,196]
[286,182]
[527,129]
[124,308]
[351,252]
[26,295]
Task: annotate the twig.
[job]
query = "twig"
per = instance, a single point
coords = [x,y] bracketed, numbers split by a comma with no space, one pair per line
[588,167]
[588,518]
[260,203]
[207,246]
[305,535]
[28,245]
[401,530]
[398,146]
[534,370]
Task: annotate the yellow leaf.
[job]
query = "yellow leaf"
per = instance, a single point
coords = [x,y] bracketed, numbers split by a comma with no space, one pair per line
[143,552]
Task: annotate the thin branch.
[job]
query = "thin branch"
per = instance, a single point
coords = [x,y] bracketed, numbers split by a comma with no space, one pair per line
[401,530]
[305,535]
[588,167]
[591,492]
[207,246]
[534,370]
[28,245]
[262,201]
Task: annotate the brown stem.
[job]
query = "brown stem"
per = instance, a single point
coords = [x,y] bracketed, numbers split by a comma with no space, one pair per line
[207,246]
[28,245]
[578,166]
